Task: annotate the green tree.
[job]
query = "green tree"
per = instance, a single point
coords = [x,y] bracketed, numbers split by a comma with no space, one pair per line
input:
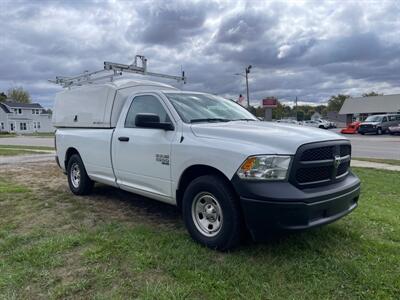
[370,94]
[335,102]
[19,95]
[3,97]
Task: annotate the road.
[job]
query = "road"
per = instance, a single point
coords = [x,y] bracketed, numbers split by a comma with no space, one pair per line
[373,146]
[27,141]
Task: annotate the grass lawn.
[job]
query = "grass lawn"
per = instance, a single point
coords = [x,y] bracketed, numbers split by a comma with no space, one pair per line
[14,152]
[26,147]
[7,135]
[395,162]
[116,245]
[10,150]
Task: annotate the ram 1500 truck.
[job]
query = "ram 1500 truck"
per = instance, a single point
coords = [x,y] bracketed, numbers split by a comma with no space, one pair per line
[228,172]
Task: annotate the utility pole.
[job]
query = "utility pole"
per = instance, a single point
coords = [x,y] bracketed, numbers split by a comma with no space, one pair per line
[296,109]
[247,70]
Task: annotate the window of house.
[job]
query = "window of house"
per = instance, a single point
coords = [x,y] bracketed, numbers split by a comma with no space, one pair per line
[22,126]
[38,125]
[2,126]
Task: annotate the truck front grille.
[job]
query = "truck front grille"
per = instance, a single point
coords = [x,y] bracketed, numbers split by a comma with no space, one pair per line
[321,163]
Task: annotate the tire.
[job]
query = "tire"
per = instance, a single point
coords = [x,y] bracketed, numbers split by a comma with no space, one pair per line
[78,180]
[362,133]
[212,213]
[379,131]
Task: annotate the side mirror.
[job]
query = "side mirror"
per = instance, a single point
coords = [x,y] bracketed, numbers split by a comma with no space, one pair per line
[151,121]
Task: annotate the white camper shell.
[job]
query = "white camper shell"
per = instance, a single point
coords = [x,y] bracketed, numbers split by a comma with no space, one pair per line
[97,105]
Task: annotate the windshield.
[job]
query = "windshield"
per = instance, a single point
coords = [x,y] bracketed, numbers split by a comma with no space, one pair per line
[207,108]
[373,119]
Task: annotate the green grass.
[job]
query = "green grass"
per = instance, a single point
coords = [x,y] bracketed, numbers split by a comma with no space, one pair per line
[394,162]
[26,147]
[15,152]
[40,134]
[112,245]
[7,135]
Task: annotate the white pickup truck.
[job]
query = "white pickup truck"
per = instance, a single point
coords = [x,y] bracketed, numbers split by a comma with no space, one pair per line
[227,171]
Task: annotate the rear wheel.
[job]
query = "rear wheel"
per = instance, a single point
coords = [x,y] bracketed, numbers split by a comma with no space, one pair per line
[212,214]
[78,180]
[379,131]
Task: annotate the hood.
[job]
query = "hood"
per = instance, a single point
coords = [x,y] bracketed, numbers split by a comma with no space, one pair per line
[264,137]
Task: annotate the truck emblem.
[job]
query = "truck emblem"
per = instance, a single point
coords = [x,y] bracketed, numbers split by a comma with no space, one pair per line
[163,158]
[337,161]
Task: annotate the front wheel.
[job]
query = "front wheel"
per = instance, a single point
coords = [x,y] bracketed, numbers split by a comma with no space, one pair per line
[379,131]
[78,180]
[212,214]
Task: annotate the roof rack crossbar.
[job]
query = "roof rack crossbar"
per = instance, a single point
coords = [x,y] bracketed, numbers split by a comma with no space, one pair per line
[117,70]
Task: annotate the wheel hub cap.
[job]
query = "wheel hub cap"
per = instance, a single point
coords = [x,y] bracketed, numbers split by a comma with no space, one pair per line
[207,214]
[75,175]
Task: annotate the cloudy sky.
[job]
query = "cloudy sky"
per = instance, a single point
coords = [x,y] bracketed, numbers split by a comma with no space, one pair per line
[309,49]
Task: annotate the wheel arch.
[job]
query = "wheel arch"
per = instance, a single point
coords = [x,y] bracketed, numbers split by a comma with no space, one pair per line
[191,173]
[70,151]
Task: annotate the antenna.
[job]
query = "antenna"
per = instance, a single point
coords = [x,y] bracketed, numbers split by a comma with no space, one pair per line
[111,70]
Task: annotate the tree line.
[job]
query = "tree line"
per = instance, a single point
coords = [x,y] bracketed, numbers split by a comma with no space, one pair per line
[17,94]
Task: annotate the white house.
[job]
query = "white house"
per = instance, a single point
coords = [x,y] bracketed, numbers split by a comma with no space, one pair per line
[24,118]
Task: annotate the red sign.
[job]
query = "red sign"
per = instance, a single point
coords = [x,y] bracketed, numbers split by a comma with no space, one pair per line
[270,102]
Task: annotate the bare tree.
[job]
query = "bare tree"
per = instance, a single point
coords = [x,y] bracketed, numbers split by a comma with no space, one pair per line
[19,95]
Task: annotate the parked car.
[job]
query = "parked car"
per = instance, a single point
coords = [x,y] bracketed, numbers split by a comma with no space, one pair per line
[227,172]
[316,123]
[394,129]
[351,128]
[379,124]
[288,121]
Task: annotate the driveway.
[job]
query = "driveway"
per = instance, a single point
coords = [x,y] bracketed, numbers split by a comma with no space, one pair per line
[28,141]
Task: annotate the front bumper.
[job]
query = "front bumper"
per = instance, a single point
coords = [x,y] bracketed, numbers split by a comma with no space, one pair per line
[280,206]
[367,130]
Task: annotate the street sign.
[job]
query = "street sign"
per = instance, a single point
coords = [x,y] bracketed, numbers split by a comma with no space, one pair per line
[270,102]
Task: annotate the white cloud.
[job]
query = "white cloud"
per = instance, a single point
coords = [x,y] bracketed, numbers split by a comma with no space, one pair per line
[305,49]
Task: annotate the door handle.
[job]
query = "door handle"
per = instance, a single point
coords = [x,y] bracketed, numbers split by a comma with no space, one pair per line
[123,139]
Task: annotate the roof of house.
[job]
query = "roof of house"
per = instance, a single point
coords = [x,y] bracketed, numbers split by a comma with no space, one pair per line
[12,104]
[4,108]
[375,104]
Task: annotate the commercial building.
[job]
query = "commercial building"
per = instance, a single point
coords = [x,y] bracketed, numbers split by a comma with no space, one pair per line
[24,118]
[360,108]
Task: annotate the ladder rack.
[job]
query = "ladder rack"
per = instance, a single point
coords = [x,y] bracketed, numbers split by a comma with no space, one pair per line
[112,70]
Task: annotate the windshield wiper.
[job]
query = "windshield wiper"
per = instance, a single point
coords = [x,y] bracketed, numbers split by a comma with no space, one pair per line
[209,120]
[244,119]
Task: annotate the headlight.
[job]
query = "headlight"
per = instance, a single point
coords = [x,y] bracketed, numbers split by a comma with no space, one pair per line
[265,167]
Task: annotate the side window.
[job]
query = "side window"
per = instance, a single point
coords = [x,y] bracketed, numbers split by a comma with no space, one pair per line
[145,104]
[398,117]
[384,119]
[392,118]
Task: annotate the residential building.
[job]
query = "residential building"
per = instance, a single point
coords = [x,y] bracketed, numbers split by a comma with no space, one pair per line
[24,118]
[360,108]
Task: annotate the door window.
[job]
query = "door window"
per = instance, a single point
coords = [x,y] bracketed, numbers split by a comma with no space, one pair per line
[145,104]
[384,119]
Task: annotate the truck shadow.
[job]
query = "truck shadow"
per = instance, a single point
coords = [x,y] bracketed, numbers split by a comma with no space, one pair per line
[147,210]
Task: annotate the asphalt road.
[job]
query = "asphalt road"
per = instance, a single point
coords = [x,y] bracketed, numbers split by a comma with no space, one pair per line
[374,146]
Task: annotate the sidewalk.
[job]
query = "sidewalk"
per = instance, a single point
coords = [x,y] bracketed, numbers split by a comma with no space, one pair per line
[374,165]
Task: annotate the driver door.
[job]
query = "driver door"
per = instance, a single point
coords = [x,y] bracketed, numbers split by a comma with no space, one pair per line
[141,156]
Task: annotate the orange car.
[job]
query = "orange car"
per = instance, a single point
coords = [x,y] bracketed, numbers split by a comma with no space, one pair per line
[352,128]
